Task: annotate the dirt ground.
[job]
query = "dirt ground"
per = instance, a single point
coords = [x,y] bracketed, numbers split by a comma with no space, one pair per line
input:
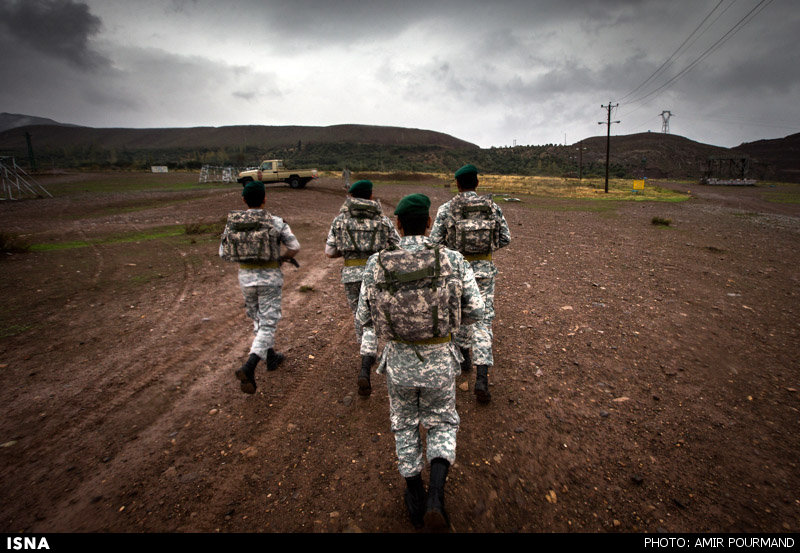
[646,376]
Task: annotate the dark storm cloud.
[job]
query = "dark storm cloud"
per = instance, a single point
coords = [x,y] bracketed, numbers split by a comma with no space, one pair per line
[58,28]
[485,71]
[356,21]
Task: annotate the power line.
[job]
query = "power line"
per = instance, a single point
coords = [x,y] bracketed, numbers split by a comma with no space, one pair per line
[711,49]
[668,61]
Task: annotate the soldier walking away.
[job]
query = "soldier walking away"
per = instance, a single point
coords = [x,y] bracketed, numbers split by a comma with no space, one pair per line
[475,226]
[253,238]
[359,230]
[415,296]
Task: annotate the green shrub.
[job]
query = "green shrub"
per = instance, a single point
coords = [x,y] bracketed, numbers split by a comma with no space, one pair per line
[11,243]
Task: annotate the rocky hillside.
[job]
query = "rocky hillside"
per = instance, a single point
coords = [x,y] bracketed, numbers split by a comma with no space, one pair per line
[781,155]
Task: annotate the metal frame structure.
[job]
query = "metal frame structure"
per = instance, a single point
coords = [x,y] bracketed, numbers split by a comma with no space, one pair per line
[729,171]
[211,173]
[14,178]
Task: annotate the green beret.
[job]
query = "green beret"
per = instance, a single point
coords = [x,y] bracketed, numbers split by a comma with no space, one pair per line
[254,190]
[466,170]
[415,204]
[362,187]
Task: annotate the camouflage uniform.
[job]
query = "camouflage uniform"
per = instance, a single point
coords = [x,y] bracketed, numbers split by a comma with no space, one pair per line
[479,336]
[421,378]
[354,267]
[262,290]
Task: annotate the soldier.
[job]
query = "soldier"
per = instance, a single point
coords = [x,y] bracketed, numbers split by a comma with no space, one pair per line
[474,225]
[360,230]
[416,296]
[253,238]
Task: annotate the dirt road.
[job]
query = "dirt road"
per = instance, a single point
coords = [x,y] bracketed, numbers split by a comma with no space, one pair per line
[647,376]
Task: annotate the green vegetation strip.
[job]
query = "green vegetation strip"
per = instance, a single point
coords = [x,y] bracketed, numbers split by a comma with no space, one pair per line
[156,234]
[134,182]
[13,330]
[783,197]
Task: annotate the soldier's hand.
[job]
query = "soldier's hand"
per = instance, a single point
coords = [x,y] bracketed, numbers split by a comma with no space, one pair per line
[284,259]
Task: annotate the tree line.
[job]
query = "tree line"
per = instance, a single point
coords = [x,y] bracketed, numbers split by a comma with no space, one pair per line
[546,160]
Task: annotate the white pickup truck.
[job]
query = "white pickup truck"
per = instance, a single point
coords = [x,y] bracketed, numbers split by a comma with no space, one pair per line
[272,170]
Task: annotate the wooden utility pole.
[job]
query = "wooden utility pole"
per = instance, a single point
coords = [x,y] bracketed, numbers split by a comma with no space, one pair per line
[31,159]
[608,136]
[580,161]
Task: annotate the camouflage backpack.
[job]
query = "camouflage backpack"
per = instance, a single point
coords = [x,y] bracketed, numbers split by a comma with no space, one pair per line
[250,237]
[472,228]
[417,295]
[362,231]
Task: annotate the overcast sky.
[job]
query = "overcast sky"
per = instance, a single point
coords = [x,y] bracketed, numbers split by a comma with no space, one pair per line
[492,72]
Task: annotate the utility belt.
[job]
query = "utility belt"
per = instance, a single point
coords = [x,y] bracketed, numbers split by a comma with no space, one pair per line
[358,261]
[260,265]
[479,257]
[427,342]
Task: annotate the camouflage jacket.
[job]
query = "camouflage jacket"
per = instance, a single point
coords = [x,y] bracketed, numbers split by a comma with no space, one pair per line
[431,365]
[266,277]
[377,233]
[442,226]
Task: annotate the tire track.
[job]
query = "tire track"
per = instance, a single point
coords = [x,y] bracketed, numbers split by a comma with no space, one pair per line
[205,390]
[293,389]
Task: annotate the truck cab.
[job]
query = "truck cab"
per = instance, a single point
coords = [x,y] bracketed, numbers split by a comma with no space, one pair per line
[272,170]
[269,169]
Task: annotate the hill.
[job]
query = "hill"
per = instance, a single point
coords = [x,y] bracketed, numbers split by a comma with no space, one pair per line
[358,147]
[655,155]
[60,136]
[781,155]
[14,120]
[369,148]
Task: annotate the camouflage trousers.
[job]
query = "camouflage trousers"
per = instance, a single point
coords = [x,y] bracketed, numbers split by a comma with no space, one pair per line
[366,336]
[435,409]
[478,337]
[263,305]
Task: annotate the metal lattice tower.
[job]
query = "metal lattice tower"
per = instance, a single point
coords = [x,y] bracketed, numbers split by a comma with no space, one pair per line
[665,115]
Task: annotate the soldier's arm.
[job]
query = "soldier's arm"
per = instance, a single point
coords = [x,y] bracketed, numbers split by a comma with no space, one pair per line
[330,245]
[363,312]
[289,241]
[438,231]
[505,232]
[472,305]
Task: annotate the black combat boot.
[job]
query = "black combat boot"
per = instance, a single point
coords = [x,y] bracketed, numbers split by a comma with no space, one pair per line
[273,359]
[482,384]
[246,374]
[435,516]
[364,387]
[466,364]
[415,500]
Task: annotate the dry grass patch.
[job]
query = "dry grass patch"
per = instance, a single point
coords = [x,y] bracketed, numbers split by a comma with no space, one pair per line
[558,187]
